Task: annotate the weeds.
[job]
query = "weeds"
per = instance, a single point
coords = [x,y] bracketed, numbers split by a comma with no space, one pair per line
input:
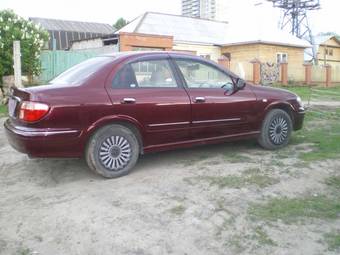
[292,209]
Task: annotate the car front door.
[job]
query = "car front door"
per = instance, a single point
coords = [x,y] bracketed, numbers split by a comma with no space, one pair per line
[216,110]
[146,90]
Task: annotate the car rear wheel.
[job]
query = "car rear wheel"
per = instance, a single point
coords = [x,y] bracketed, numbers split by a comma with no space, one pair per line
[276,130]
[112,151]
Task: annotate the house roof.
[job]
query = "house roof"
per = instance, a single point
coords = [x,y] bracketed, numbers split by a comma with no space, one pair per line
[183,29]
[203,31]
[321,39]
[262,35]
[73,26]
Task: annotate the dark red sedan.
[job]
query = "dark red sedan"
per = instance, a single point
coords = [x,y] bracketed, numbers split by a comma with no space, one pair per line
[111,109]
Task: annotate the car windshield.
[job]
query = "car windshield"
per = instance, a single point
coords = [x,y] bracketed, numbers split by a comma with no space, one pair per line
[82,71]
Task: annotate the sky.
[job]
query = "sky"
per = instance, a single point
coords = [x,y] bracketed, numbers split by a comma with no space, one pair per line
[241,12]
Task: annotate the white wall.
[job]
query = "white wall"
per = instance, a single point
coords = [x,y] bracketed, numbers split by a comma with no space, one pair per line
[87,44]
[213,51]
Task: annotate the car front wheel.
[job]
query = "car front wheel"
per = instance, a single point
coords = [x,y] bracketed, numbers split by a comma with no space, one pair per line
[112,151]
[276,130]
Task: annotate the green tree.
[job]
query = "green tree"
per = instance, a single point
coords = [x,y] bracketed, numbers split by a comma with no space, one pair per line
[121,22]
[32,39]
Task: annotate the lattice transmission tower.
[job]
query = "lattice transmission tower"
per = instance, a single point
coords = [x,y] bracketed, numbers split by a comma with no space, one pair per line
[295,18]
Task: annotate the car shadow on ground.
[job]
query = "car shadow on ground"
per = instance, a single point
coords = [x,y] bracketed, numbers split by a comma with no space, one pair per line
[54,172]
[191,155]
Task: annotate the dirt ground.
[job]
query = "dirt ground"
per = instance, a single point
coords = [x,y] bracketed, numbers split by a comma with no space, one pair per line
[178,202]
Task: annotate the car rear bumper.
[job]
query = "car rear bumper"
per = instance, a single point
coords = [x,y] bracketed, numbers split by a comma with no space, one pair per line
[37,142]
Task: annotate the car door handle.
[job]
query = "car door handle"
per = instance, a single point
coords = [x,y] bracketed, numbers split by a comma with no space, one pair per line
[199,99]
[128,100]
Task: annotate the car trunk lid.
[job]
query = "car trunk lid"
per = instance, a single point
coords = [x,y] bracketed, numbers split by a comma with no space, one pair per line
[16,96]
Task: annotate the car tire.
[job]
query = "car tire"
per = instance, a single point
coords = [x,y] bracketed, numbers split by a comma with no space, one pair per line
[276,130]
[112,151]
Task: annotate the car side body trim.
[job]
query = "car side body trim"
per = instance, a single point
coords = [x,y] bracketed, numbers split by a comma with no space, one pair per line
[169,124]
[213,121]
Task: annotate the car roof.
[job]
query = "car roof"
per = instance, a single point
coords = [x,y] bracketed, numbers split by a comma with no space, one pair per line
[135,54]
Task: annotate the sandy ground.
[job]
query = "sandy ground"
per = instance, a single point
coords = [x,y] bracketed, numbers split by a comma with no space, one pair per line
[165,206]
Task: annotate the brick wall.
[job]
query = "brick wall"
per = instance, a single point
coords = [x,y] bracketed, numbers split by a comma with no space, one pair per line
[131,41]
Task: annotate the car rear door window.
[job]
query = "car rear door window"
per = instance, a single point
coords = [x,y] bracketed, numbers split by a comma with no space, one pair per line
[145,74]
[78,73]
[199,75]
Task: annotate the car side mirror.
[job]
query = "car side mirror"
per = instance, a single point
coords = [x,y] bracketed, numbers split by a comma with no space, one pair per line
[240,84]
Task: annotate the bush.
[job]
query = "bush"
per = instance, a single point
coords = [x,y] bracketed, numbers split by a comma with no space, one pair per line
[32,39]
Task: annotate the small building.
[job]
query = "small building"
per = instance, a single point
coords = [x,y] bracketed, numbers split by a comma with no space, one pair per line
[327,49]
[63,32]
[95,42]
[207,38]
[201,37]
[213,39]
[274,47]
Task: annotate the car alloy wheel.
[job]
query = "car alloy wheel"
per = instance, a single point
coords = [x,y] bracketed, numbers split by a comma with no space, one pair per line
[115,153]
[278,130]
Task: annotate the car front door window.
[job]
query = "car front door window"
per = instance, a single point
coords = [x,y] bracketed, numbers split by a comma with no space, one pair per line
[198,75]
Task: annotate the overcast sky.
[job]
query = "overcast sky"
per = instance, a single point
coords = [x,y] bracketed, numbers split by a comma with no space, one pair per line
[107,11]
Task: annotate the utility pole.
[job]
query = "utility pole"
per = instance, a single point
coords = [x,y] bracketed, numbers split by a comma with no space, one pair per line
[17,64]
[295,18]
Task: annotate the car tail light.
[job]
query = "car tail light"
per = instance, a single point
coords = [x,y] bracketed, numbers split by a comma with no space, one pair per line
[32,111]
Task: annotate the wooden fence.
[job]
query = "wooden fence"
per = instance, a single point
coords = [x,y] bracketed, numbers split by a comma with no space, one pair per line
[55,62]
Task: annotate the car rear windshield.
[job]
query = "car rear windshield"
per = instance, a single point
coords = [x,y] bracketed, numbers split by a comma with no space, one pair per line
[78,73]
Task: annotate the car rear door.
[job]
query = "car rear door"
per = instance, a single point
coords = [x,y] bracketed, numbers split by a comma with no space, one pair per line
[216,111]
[147,90]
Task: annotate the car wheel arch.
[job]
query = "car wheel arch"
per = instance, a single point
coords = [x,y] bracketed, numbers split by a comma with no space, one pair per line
[285,106]
[127,122]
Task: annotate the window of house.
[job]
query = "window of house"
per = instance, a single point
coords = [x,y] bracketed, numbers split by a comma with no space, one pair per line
[281,58]
[227,55]
[198,75]
[206,56]
[145,74]
[329,52]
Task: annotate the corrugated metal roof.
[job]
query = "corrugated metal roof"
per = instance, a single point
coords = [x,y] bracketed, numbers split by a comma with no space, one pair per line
[184,29]
[73,26]
[194,30]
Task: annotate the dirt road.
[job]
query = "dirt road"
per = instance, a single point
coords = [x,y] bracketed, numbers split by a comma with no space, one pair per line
[193,201]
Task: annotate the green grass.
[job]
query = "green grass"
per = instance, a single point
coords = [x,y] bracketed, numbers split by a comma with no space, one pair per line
[317,114]
[262,237]
[249,177]
[322,129]
[3,110]
[178,210]
[24,251]
[334,182]
[236,157]
[333,241]
[306,92]
[237,243]
[293,209]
